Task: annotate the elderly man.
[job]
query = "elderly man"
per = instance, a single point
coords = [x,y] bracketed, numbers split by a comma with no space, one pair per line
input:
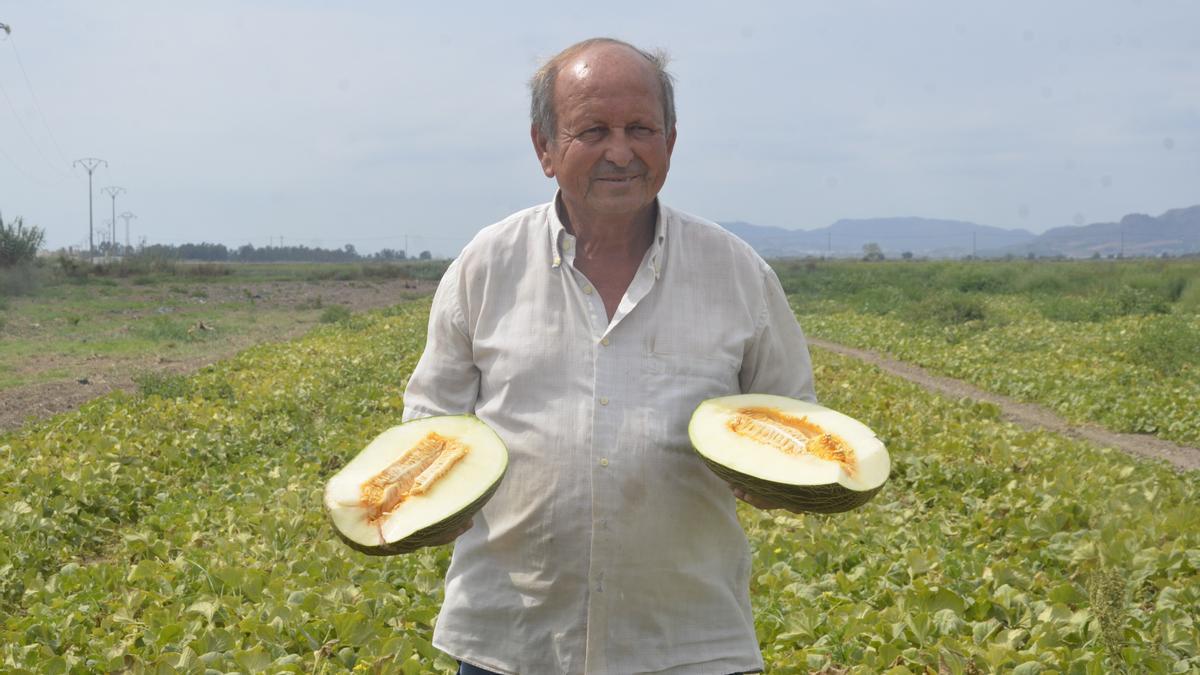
[585,331]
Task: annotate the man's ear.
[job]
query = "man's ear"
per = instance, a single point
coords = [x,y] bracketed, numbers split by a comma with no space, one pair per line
[671,141]
[541,146]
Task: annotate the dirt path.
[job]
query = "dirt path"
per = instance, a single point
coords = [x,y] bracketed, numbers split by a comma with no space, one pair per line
[1028,415]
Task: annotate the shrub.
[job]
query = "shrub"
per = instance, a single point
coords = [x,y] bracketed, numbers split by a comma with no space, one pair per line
[19,244]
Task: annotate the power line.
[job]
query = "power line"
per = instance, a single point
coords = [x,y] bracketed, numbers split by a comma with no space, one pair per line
[36,103]
[21,123]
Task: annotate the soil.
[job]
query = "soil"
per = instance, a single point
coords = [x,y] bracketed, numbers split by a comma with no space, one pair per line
[1028,415]
[98,375]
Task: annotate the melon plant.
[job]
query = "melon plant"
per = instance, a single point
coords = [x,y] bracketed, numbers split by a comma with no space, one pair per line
[415,484]
[803,456]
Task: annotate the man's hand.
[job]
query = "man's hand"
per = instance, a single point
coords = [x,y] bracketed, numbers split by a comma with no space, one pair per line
[760,502]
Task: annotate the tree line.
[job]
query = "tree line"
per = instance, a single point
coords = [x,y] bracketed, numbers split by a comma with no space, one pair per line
[207,252]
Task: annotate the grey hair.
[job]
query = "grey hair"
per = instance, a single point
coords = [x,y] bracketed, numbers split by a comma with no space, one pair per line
[541,86]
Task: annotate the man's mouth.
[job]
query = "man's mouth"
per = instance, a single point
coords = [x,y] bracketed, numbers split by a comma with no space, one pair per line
[616,179]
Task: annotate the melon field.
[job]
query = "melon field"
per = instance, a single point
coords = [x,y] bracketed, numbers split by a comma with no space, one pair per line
[1111,342]
[179,528]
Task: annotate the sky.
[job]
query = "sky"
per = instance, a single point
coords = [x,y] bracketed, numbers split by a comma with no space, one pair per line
[405,125]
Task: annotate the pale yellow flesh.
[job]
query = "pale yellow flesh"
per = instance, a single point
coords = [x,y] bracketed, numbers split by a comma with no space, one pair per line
[711,434]
[464,481]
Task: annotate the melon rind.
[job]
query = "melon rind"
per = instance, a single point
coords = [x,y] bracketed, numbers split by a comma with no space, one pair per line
[437,531]
[823,489]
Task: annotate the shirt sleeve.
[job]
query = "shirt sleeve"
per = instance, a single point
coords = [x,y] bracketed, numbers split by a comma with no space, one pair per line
[446,379]
[776,361]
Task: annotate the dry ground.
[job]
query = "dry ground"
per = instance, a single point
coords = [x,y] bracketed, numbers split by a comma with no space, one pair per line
[94,375]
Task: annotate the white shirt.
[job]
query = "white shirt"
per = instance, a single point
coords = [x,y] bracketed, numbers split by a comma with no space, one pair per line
[609,546]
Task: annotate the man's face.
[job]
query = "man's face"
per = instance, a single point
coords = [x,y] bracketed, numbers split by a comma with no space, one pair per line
[611,152]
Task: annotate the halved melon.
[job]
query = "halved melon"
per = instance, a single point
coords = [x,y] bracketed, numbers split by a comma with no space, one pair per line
[804,456]
[416,483]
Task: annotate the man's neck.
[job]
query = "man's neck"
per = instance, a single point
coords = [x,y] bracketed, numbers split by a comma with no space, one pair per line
[613,238]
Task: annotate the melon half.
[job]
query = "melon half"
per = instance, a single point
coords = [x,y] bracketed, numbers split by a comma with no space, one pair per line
[415,484]
[801,455]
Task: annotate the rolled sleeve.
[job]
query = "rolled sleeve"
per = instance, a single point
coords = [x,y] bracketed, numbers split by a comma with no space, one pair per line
[446,379]
[777,361]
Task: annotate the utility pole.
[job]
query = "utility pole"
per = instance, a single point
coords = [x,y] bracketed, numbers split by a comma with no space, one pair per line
[89,164]
[113,191]
[127,215]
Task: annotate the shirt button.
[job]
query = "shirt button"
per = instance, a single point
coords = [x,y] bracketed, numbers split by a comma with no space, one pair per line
[587,290]
[604,341]
[603,461]
[603,400]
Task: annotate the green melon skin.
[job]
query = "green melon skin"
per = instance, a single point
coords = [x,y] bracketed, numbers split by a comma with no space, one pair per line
[806,484]
[430,536]
[832,498]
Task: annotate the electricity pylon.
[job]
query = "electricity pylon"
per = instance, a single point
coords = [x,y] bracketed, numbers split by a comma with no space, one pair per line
[127,215]
[89,164]
[113,191]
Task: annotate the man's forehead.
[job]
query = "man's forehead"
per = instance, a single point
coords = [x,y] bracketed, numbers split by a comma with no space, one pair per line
[606,59]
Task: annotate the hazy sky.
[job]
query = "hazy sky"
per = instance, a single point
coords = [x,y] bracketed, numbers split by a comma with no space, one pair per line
[365,122]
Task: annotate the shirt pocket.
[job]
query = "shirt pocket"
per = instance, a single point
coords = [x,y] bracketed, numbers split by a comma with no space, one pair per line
[688,375]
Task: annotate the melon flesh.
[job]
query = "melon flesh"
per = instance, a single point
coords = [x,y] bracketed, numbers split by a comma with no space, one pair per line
[805,456]
[414,483]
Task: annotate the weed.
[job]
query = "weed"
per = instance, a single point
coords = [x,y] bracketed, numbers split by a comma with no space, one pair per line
[1106,592]
[1166,345]
[20,279]
[209,270]
[163,385]
[1189,298]
[951,309]
[163,329]
[335,314]
[311,303]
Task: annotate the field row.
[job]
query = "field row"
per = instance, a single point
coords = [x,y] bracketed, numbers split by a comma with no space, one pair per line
[181,529]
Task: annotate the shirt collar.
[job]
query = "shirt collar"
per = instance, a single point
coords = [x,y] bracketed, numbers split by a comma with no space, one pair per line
[559,237]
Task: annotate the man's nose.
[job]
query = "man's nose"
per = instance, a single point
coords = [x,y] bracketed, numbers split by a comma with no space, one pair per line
[618,150]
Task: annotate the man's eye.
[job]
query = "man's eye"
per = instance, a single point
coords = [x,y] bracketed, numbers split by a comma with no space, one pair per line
[640,131]
[592,134]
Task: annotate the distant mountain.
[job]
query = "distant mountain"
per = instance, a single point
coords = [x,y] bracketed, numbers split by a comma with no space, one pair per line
[1176,232]
[919,236]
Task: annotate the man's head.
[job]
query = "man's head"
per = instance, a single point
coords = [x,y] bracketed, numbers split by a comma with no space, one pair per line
[603,125]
